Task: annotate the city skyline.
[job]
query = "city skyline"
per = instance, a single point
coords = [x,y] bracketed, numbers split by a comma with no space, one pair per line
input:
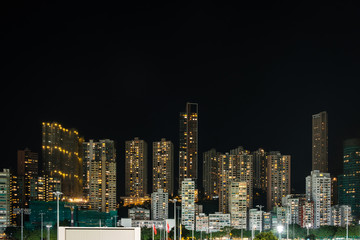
[176,161]
[227,116]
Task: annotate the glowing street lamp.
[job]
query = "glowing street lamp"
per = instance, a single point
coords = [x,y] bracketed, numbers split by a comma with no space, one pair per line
[308,225]
[175,200]
[57,194]
[48,230]
[280,228]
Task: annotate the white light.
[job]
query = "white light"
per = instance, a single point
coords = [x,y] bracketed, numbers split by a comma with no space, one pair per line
[280,228]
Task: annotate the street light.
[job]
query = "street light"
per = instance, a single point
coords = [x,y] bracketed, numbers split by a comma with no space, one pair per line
[42,225]
[210,232]
[280,228]
[252,231]
[261,218]
[308,225]
[175,200]
[22,211]
[347,222]
[57,194]
[48,230]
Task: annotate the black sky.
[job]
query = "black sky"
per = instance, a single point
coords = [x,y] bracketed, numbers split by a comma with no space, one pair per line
[258,71]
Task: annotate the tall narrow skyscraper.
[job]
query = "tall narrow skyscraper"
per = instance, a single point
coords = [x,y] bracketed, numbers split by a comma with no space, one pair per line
[136,168]
[4,199]
[27,172]
[259,169]
[320,142]
[318,190]
[188,203]
[235,167]
[62,157]
[159,205]
[163,166]
[349,181]
[211,174]
[238,204]
[188,153]
[279,185]
[100,174]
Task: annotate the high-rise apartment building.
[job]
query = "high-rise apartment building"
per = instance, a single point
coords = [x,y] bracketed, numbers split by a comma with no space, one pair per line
[236,166]
[318,190]
[259,169]
[255,219]
[278,178]
[159,205]
[61,155]
[16,197]
[188,203]
[27,169]
[226,176]
[211,174]
[5,214]
[349,181]
[244,173]
[307,215]
[238,204]
[341,215]
[100,174]
[293,203]
[136,168]
[43,187]
[163,166]
[188,153]
[320,142]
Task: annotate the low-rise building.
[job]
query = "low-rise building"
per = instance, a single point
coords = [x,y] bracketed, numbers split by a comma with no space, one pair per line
[138,213]
[255,219]
[218,220]
[202,222]
[307,215]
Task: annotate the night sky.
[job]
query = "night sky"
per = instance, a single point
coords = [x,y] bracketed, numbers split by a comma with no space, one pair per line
[259,71]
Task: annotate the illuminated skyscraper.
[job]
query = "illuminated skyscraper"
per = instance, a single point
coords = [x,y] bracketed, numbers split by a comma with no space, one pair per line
[211,174]
[27,170]
[349,181]
[61,154]
[159,205]
[100,174]
[259,169]
[244,173]
[238,204]
[318,190]
[188,154]
[188,203]
[278,177]
[234,167]
[43,187]
[293,202]
[4,199]
[226,176]
[163,166]
[136,168]
[320,142]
